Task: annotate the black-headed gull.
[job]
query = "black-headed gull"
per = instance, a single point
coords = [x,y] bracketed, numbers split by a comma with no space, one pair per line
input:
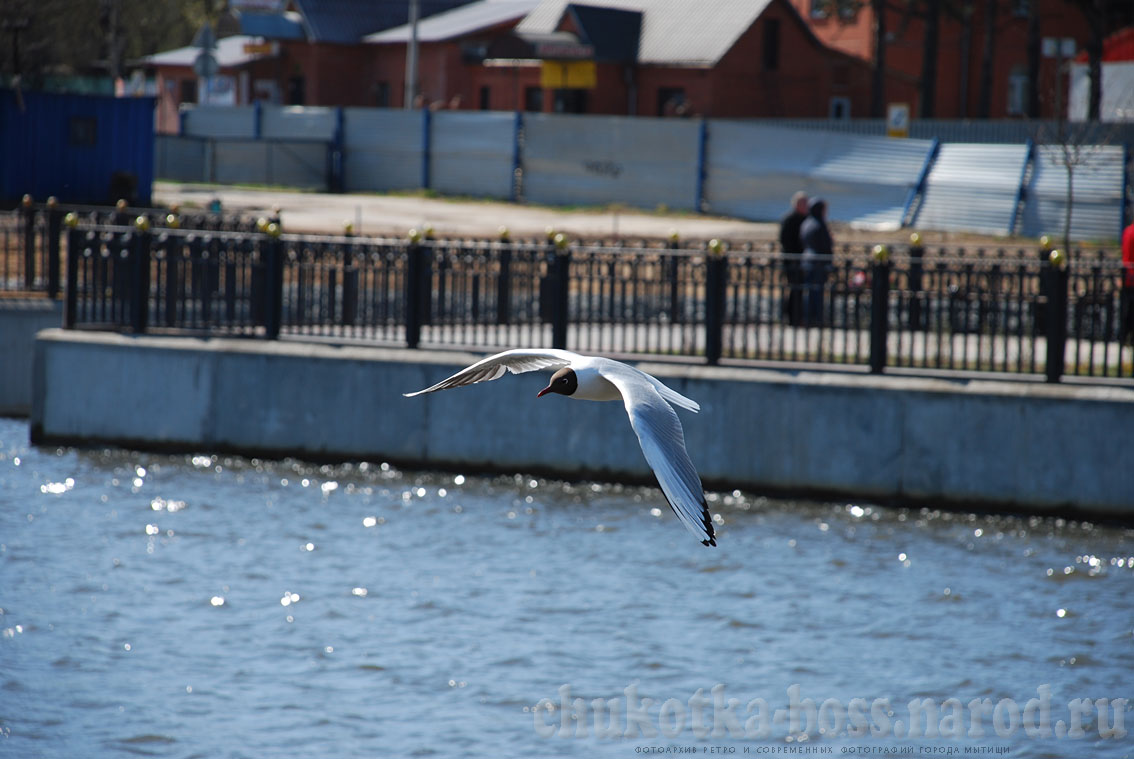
[647,401]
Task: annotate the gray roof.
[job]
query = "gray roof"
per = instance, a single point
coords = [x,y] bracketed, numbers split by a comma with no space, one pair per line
[229,52]
[459,22]
[686,32]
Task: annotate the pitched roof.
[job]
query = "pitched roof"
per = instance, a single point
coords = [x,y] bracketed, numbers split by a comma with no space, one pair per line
[348,21]
[459,22]
[673,31]
[229,52]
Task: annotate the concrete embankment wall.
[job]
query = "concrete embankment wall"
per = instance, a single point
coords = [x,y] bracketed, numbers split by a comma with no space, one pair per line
[1022,446]
[20,320]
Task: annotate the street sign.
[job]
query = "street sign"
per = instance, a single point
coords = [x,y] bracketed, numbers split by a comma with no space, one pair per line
[205,38]
[898,120]
[206,66]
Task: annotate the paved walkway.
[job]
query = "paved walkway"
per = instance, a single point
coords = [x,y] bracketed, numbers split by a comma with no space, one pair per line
[396,214]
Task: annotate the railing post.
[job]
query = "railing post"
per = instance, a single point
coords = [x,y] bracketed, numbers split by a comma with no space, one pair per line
[672,270]
[140,275]
[27,211]
[504,280]
[879,308]
[74,247]
[561,291]
[273,281]
[917,270]
[1055,288]
[350,280]
[417,280]
[716,286]
[54,240]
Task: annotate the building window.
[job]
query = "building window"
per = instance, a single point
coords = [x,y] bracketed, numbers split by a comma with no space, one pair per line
[771,44]
[382,94]
[296,91]
[1017,91]
[485,98]
[671,101]
[839,108]
[1021,8]
[188,91]
[533,99]
[83,131]
[846,10]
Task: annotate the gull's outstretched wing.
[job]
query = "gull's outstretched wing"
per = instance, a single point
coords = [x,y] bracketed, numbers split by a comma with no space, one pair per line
[663,443]
[494,367]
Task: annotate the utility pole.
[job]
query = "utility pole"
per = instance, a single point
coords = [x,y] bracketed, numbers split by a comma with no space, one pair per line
[411,57]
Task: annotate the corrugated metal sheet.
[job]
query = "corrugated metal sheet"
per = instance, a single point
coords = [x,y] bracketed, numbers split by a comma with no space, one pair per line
[972,187]
[962,130]
[294,122]
[589,160]
[753,170]
[673,31]
[219,121]
[384,149]
[472,153]
[180,159]
[459,21]
[71,146]
[274,162]
[1096,193]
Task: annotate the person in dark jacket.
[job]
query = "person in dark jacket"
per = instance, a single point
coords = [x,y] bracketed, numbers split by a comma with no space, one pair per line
[818,252]
[792,246]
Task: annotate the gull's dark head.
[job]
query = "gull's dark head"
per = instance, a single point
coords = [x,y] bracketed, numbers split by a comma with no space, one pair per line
[563,382]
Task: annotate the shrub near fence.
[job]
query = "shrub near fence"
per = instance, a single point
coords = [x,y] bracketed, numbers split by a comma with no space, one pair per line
[936,311]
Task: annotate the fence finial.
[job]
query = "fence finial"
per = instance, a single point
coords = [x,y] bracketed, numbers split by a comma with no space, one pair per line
[881,254]
[1057,258]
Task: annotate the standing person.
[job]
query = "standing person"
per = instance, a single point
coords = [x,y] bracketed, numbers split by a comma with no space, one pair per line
[818,253]
[792,246]
[1126,306]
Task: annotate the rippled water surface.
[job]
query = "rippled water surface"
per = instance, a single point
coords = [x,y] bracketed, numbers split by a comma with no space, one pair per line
[203,606]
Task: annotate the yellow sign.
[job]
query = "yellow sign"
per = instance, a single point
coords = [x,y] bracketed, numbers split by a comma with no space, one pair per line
[898,120]
[567,75]
[258,48]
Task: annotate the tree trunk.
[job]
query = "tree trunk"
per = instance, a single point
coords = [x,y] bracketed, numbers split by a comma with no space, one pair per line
[929,59]
[988,51]
[1033,52]
[878,78]
[1096,26]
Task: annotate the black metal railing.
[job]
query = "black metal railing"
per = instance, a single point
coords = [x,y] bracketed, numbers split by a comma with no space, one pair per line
[31,237]
[940,311]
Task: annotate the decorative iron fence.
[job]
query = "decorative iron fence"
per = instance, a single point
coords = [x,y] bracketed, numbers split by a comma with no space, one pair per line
[942,311]
[31,237]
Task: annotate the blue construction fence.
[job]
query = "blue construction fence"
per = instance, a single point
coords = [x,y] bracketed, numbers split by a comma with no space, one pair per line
[77,148]
[741,168]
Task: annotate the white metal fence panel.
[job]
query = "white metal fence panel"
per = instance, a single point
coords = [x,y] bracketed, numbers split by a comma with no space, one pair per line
[973,187]
[643,162]
[290,163]
[295,122]
[1096,192]
[752,171]
[180,159]
[472,153]
[220,121]
[384,148]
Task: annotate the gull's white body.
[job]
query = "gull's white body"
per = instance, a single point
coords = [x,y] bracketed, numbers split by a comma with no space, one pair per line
[647,402]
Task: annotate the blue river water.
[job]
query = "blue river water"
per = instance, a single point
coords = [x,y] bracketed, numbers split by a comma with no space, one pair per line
[212,606]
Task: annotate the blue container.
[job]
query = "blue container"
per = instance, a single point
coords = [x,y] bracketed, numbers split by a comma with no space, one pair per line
[79,148]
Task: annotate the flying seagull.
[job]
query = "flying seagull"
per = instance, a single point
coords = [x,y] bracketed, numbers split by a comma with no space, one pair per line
[648,404]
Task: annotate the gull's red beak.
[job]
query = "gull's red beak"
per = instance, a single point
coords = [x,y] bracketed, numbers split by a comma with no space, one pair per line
[543,392]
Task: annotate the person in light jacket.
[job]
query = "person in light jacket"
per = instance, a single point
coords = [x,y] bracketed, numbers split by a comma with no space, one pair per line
[818,252]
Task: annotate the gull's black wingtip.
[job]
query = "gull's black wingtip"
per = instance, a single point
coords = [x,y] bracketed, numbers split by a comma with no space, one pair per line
[707,521]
